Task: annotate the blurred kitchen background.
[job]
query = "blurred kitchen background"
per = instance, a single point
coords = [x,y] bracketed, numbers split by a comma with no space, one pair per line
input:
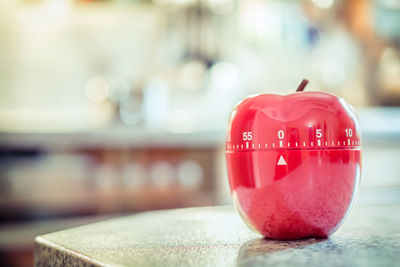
[115,107]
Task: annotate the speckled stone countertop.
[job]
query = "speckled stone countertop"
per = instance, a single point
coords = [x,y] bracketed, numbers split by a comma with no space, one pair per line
[216,236]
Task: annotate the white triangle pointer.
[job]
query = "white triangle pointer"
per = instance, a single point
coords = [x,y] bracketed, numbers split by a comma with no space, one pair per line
[281,161]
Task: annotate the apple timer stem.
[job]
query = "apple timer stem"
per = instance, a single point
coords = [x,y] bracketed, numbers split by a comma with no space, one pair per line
[302,85]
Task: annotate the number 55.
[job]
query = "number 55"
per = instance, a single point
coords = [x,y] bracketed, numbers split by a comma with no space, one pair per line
[247,136]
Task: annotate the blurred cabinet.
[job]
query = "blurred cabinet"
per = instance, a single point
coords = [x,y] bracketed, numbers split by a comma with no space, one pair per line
[100,172]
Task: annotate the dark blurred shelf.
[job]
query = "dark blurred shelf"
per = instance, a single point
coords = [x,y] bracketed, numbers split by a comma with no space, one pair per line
[111,201]
[116,137]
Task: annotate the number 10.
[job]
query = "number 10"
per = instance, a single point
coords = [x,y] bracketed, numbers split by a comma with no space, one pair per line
[349,132]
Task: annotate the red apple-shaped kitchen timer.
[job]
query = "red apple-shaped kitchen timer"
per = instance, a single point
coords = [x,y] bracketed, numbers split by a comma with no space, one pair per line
[293,162]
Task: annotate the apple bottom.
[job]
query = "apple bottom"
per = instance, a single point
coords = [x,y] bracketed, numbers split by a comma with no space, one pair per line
[308,197]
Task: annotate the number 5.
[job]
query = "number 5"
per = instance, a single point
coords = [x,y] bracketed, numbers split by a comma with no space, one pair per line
[319,133]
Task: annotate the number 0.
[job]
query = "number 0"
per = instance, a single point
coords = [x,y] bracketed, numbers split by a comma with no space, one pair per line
[281,134]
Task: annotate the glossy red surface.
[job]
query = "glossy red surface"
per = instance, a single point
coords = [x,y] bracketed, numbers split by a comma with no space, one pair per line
[293,163]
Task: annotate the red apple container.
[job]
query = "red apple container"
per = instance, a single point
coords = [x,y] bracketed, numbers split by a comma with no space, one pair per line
[294,163]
